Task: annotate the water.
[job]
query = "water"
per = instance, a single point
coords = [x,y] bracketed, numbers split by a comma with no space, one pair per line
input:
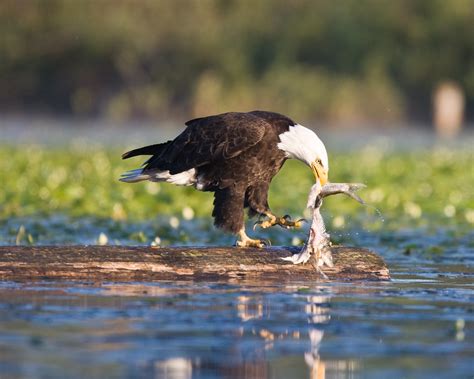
[417,325]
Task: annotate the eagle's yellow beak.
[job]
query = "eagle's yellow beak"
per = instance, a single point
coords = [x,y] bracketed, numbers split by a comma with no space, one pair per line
[319,172]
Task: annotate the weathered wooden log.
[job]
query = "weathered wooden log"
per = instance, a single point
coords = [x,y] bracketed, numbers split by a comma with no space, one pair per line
[142,263]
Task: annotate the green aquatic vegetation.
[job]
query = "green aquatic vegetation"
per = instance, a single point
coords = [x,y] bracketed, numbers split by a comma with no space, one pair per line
[435,250]
[426,188]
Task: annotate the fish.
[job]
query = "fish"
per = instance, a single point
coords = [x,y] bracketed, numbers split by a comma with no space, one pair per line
[318,243]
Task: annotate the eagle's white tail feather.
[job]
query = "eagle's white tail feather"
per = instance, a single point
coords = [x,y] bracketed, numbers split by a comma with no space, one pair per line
[134,176]
[185,178]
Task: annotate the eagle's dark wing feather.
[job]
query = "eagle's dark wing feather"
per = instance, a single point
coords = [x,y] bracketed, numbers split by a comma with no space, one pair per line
[209,139]
[146,150]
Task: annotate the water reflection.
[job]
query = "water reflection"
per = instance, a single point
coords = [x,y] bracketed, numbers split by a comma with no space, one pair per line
[317,311]
[254,360]
[238,330]
[249,308]
[318,314]
[316,366]
[174,368]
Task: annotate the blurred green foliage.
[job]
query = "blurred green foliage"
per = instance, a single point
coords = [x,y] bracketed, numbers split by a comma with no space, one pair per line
[348,60]
[421,188]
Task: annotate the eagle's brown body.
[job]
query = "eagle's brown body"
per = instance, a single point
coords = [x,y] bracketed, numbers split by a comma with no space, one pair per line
[235,155]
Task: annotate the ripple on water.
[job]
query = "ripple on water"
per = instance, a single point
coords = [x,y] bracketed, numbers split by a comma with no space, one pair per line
[397,328]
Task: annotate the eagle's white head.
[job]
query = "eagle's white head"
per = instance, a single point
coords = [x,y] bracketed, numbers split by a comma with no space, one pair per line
[303,144]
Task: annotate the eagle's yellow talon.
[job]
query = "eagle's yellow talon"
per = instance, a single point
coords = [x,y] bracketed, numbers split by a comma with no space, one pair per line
[266,224]
[253,243]
[245,241]
[299,223]
[284,222]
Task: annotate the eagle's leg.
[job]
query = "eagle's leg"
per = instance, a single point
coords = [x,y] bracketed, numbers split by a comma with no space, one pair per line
[245,241]
[256,199]
[285,221]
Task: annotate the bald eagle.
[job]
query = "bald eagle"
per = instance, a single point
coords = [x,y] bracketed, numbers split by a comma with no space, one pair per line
[235,155]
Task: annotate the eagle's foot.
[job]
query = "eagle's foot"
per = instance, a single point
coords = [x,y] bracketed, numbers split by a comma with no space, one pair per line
[252,243]
[285,222]
[246,241]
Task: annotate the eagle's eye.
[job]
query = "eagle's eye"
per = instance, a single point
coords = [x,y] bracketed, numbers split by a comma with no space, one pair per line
[319,162]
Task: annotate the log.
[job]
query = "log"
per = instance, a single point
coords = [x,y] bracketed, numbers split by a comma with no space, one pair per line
[143,263]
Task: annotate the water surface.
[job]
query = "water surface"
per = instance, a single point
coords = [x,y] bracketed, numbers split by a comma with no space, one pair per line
[417,325]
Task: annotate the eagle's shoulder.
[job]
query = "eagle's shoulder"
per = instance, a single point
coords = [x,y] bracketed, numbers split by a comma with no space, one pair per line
[277,120]
[237,130]
[228,120]
[211,139]
[254,123]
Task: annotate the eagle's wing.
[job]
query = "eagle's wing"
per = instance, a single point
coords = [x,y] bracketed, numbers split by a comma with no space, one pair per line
[209,139]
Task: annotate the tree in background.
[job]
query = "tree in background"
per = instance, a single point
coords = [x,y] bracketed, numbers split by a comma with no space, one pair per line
[341,62]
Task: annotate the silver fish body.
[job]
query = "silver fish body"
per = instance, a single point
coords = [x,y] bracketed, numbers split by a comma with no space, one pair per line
[318,242]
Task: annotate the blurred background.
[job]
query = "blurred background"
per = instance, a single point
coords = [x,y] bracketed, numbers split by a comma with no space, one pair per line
[342,63]
[387,84]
